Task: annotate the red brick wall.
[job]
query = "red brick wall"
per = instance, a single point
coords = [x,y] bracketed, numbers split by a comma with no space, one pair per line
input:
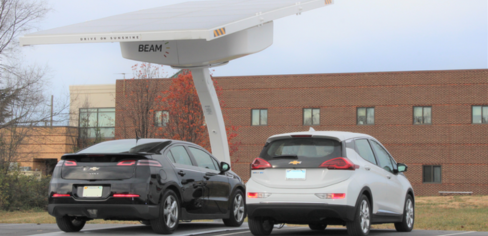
[451,140]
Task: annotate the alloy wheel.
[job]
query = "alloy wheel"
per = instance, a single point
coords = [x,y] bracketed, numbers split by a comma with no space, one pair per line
[170,211]
[409,213]
[365,216]
[238,208]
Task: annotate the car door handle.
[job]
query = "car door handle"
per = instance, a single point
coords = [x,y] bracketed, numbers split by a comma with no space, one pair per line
[367,168]
[388,176]
[182,173]
[208,175]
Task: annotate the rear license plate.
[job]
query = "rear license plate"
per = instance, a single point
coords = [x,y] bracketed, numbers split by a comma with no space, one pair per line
[92,191]
[296,174]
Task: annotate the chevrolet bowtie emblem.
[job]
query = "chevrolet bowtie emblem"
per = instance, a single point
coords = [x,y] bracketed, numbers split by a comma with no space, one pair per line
[295,162]
[94,168]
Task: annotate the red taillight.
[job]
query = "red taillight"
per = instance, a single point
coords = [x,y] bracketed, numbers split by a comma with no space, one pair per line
[339,163]
[70,163]
[61,195]
[301,136]
[148,163]
[126,195]
[338,195]
[127,163]
[252,195]
[260,163]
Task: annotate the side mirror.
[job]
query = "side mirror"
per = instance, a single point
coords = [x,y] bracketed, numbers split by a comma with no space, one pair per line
[402,167]
[224,167]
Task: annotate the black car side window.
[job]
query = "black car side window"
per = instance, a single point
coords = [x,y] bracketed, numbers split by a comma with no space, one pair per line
[383,157]
[364,150]
[180,155]
[203,159]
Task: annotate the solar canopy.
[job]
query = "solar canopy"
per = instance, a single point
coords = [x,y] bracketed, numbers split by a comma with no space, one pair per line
[190,20]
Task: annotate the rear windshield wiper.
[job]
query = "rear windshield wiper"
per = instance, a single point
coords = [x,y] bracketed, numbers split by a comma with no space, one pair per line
[286,156]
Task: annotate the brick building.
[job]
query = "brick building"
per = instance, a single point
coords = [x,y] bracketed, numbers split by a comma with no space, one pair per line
[434,121]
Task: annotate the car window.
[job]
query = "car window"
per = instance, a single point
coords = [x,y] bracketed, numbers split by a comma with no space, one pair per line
[171,158]
[364,150]
[203,159]
[383,157]
[180,155]
[216,163]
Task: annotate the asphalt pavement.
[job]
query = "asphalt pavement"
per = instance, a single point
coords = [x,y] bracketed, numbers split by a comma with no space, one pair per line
[203,229]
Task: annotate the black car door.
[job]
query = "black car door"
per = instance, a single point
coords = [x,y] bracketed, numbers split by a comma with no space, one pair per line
[216,184]
[190,178]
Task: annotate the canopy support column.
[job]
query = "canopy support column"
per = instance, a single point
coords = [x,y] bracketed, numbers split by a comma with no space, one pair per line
[213,113]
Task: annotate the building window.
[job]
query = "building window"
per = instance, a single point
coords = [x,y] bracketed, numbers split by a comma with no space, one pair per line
[259,116]
[161,118]
[432,174]
[97,123]
[365,115]
[311,116]
[422,115]
[480,114]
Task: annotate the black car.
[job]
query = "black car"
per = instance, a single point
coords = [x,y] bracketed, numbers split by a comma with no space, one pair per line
[155,181]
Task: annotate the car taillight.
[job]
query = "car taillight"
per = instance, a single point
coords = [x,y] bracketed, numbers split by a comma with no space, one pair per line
[260,163]
[125,195]
[258,195]
[339,163]
[127,163]
[61,195]
[331,195]
[148,163]
[70,163]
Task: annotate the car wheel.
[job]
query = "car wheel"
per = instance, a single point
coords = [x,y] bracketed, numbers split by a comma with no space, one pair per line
[317,226]
[260,225]
[169,214]
[362,218]
[408,216]
[70,224]
[238,210]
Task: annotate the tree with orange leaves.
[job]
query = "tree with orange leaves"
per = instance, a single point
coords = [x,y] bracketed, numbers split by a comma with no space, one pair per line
[186,120]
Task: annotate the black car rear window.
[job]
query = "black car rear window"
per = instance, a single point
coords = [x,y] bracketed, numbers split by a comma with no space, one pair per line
[126,146]
[302,147]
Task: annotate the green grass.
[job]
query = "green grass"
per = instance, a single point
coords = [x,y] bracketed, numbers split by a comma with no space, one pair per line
[468,213]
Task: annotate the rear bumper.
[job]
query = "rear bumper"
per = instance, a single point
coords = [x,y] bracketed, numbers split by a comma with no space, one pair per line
[301,213]
[101,211]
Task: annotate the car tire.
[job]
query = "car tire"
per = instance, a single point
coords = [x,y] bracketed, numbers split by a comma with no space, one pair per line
[260,225]
[362,218]
[70,224]
[237,210]
[169,214]
[408,219]
[317,226]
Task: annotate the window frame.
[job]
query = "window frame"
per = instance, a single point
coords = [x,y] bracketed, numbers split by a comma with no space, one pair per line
[423,115]
[97,129]
[432,174]
[259,118]
[163,123]
[472,116]
[312,109]
[357,115]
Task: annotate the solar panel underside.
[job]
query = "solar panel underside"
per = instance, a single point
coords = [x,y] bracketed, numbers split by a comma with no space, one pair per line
[189,20]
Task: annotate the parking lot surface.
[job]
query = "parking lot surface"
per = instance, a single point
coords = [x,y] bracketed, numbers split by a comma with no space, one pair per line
[204,229]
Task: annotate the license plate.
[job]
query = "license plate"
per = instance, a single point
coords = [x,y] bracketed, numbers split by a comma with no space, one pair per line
[296,174]
[92,191]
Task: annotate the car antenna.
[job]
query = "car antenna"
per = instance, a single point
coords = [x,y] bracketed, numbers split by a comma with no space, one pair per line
[137,137]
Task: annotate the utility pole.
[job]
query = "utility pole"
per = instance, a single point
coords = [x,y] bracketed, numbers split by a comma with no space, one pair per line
[52,98]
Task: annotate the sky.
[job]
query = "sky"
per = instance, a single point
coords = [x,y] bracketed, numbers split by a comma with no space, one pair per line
[347,36]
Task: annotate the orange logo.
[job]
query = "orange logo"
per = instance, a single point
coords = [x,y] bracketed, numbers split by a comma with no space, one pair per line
[295,162]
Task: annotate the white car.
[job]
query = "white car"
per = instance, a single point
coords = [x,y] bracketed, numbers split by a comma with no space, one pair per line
[325,178]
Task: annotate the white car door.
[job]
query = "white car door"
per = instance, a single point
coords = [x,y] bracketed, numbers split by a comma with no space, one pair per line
[376,180]
[393,188]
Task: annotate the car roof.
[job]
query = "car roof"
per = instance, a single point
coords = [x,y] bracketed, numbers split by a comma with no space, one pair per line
[337,135]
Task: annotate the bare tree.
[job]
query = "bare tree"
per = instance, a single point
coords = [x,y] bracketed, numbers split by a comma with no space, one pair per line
[139,101]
